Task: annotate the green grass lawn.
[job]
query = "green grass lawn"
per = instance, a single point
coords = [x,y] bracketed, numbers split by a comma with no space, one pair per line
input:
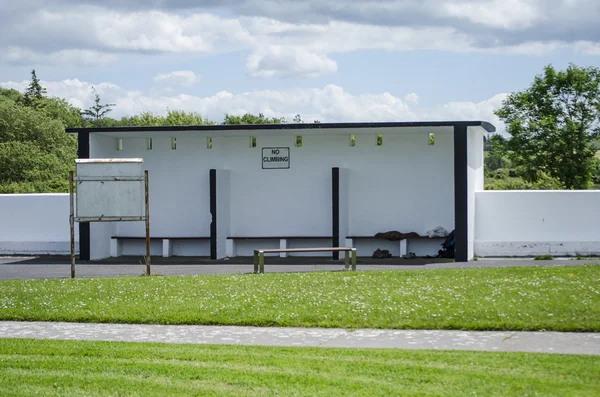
[70,368]
[565,298]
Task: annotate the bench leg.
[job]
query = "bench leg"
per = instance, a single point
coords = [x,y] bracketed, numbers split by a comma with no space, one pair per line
[255,262]
[261,262]
[283,246]
[166,248]
[403,247]
[354,259]
[346,260]
[230,248]
[114,247]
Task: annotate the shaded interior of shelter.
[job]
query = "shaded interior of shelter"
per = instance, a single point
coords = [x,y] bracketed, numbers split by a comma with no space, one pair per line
[343,183]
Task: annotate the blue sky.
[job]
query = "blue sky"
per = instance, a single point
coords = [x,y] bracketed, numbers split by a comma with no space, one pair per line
[338,60]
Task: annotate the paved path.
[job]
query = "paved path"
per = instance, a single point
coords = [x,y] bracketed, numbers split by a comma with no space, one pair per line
[534,342]
[32,267]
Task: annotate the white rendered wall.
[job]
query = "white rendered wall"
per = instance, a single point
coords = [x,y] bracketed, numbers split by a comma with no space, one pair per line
[476,178]
[283,202]
[404,185]
[527,223]
[35,224]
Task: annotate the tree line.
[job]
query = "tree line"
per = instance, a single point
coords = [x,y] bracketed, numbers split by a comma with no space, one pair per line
[551,139]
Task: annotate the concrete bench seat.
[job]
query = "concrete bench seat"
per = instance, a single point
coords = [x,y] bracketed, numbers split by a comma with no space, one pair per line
[115,247]
[259,255]
[231,250]
[403,243]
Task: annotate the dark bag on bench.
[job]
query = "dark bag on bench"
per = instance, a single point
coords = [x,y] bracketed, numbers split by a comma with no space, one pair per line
[447,250]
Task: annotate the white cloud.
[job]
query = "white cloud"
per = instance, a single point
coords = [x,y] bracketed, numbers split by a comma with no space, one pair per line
[588,48]
[289,62]
[296,39]
[412,98]
[328,104]
[467,111]
[76,92]
[507,14]
[177,79]
[20,55]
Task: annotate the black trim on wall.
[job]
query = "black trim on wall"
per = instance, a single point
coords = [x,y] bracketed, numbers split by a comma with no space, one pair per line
[335,210]
[83,152]
[213,213]
[461,195]
[289,126]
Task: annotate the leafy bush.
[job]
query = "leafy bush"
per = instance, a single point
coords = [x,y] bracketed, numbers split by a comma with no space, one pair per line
[543,182]
[35,152]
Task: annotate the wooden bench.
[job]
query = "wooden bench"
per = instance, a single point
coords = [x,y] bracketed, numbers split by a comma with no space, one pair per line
[115,247]
[403,243]
[259,255]
[231,250]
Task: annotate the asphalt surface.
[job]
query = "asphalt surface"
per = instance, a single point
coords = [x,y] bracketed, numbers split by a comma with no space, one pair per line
[531,342]
[59,267]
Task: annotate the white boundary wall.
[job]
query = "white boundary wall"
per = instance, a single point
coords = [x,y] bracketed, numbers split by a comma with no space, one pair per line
[507,223]
[528,223]
[35,224]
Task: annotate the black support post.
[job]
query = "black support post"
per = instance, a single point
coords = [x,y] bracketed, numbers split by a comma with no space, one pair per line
[335,207]
[213,213]
[461,194]
[83,152]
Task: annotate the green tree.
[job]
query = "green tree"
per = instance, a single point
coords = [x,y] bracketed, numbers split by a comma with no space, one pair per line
[97,112]
[173,117]
[553,124]
[60,109]
[10,94]
[35,93]
[252,119]
[35,152]
[543,182]
[495,157]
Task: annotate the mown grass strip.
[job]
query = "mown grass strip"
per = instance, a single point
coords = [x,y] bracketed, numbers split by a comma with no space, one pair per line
[71,368]
[563,298]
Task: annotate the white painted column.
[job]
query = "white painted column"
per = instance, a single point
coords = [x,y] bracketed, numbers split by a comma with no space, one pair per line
[166,247]
[114,247]
[230,248]
[283,246]
[403,247]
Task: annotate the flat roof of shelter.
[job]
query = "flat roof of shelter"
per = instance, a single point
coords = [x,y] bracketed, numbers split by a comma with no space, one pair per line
[488,127]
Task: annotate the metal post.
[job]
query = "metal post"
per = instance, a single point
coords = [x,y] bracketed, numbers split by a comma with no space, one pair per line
[346,260]
[261,261]
[147,223]
[353,259]
[255,262]
[72,224]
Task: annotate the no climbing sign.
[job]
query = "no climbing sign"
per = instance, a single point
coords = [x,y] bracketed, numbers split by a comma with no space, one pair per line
[275,158]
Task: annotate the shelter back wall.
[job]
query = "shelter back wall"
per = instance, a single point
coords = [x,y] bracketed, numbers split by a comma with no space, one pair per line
[405,184]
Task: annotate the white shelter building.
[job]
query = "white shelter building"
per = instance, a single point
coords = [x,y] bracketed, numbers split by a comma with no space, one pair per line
[224,190]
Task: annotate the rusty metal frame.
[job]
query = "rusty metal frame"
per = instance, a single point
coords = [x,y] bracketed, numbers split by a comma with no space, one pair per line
[73,218]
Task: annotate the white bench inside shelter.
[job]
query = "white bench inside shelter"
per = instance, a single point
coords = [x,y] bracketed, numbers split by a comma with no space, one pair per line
[231,249]
[167,243]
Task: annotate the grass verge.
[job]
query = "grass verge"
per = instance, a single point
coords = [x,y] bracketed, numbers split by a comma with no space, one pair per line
[72,368]
[565,298]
